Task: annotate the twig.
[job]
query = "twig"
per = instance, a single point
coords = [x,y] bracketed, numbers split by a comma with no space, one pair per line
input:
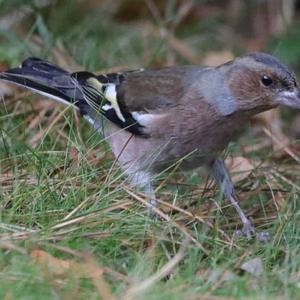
[281,145]
[196,217]
[168,219]
[164,271]
[92,270]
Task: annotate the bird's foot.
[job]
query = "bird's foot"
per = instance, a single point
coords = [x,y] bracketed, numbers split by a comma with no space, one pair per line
[151,204]
[263,236]
[249,232]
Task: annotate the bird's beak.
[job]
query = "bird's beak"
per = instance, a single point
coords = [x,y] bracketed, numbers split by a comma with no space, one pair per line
[289,98]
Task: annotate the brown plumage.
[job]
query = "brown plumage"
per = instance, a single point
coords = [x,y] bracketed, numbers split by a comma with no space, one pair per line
[154,119]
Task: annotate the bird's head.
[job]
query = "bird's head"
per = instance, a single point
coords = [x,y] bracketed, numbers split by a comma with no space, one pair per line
[259,81]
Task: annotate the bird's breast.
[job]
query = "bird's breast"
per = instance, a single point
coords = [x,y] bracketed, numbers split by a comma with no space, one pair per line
[202,134]
[189,137]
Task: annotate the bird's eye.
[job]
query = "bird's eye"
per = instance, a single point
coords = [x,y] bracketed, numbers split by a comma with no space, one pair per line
[266,80]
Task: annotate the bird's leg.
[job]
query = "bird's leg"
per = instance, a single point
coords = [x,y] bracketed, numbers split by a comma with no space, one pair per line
[143,181]
[151,199]
[150,193]
[223,179]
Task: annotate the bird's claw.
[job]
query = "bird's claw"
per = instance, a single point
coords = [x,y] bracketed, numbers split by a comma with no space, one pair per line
[152,204]
[249,232]
[263,236]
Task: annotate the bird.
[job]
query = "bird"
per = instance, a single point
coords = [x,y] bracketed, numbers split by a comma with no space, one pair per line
[182,115]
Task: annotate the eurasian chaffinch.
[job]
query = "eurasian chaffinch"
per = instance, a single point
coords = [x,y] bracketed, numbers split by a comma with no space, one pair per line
[153,119]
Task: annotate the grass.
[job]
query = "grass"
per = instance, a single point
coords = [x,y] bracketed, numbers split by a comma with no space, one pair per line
[72,228]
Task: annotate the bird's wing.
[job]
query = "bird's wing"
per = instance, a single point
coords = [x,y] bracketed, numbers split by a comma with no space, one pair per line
[128,98]
[121,97]
[154,92]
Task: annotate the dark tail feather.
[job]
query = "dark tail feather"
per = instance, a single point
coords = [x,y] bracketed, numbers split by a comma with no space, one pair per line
[83,89]
[46,79]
